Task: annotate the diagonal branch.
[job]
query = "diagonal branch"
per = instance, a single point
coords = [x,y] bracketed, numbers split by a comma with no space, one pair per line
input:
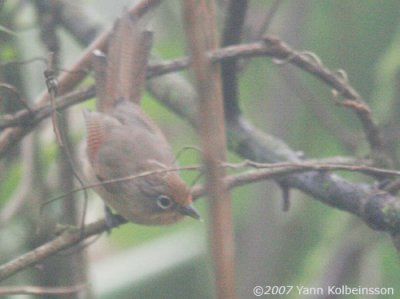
[69,80]
[377,208]
[251,143]
[256,49]
[244,138]
[272,47]
[336,81]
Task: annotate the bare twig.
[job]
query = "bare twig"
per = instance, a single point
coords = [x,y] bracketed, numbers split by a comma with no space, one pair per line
[62,137]
[65,240]
[73,266]
[158,69]
[253,144]
[123,179]
[246,139]
[273,170]
[201,35]
[377,208]
[274,49]
[68,80]
[28,119]
[318,165]
[51,83]
[336,81]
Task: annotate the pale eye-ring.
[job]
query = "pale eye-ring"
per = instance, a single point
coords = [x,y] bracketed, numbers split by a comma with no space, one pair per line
[164,202]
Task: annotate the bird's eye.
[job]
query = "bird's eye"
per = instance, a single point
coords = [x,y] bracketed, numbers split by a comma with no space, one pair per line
[164,202]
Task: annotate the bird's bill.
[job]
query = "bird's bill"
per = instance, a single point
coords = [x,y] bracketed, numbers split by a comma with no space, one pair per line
[190,211]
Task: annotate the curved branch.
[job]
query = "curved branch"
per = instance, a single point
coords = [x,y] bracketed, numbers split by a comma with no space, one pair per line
[377,208]
[244,139]
[272,47]
[253,144]
[28,117]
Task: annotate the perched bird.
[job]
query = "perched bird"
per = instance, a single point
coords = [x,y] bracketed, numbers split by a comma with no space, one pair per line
[122,141]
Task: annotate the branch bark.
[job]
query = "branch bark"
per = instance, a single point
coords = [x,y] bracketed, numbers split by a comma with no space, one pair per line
[272,47]
[69,80]
[375,207]
[201,36]
[244,138]
[380,210]
[233,26]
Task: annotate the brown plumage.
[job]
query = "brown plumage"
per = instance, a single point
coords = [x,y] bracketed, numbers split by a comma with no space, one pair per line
[123,141]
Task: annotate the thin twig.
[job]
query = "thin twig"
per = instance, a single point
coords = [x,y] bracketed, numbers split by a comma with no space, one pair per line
[69,80]
[274,168]
[62,137]
[274,49]
[68,238]
[376,208]
[123,179]
[336,81]
[28,119]
[248,140]
[51,83]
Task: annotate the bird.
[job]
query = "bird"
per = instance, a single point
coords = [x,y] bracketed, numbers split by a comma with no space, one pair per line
[122,141]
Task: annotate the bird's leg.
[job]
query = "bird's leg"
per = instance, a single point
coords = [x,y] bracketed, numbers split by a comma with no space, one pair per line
[112,220]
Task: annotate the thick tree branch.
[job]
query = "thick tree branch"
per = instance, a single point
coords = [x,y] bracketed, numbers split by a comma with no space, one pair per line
[246,140]
[243,137]
[377,208]
[232,35]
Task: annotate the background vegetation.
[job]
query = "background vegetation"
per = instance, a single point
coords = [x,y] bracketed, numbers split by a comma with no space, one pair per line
[310,245]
